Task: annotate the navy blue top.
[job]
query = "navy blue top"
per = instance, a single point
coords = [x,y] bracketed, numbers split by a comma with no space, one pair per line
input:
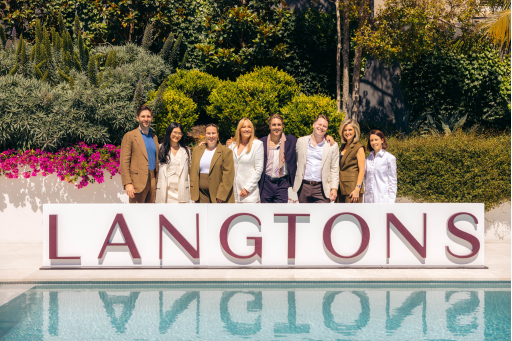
[150,148]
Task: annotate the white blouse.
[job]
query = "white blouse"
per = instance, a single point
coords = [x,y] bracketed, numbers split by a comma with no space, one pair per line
[206,160]
[248,169]
[380,178]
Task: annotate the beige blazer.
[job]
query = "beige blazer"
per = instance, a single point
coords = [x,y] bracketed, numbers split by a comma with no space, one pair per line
[134,160]
[220,178]
[183,182]
[330,165]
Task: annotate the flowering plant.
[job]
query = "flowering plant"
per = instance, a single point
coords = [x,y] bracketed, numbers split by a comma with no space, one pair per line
[69,164]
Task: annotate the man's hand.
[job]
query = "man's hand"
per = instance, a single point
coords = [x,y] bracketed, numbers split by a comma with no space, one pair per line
[329,139]
[244,193]
[130,190]
[220,201]
[334,194]
[228,142]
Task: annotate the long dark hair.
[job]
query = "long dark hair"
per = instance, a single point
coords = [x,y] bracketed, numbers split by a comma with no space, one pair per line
[163,154]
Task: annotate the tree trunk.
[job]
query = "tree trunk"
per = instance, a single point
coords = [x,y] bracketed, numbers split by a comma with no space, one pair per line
[338,57]
[345,54]
[356,80]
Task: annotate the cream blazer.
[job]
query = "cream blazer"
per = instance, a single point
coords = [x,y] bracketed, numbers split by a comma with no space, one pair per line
[183,182]
[248,169]
[330,165]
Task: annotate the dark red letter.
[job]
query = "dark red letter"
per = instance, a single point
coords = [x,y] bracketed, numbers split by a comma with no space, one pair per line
[422,250]
[127,237]
[292,224]
[365,232]
[179,237]
[475,243]
[224,238]
[53,239]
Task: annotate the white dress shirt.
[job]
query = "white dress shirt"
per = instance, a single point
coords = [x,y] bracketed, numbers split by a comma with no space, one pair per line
[380,178]
[314,162]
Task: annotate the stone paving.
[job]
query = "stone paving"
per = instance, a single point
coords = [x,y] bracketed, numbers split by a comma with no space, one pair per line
[21,263]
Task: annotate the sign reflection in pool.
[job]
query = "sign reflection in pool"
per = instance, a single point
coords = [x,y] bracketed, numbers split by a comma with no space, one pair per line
[157,313]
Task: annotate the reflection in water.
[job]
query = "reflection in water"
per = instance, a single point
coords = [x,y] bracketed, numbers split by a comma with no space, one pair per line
[263,314]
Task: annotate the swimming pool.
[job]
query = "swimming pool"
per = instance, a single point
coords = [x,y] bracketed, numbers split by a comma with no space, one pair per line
[257,311]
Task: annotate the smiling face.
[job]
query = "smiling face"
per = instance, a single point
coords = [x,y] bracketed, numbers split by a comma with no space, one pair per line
[211,136]
[144,118]
[320,127]
[349,132]
[276,127]
[376,142]
[176,135]
[246,130]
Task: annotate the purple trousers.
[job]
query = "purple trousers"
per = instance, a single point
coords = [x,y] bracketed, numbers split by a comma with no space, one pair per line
[274,191]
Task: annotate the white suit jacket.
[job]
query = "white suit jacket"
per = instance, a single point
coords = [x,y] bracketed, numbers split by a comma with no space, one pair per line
[248,169]
[330,165]
[183,182]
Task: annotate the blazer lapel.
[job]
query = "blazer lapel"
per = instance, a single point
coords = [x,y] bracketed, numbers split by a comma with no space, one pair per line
[215,157]
[183,157]
[347,153]
[325,152]
[140,143]
[199,156]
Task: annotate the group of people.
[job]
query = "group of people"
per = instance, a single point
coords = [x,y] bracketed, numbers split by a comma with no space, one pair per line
[252,170]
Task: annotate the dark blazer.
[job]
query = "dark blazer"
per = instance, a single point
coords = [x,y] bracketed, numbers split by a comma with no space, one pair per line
[222,174]
[134,160]
[290,156]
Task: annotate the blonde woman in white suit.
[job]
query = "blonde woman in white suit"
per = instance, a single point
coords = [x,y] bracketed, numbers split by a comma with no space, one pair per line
[248,159]
[173,184]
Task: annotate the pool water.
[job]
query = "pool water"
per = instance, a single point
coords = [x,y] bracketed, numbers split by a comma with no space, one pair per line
[252,311]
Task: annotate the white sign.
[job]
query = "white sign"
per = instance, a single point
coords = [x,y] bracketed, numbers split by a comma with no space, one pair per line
[263,235]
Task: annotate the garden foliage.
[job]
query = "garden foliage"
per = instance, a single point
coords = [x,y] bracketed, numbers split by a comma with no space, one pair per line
[460,167]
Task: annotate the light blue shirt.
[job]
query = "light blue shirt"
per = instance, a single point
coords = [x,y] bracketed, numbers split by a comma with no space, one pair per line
[150,148]
[314,162]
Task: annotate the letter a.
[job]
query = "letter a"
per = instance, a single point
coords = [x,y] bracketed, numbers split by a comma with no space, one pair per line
[119,220]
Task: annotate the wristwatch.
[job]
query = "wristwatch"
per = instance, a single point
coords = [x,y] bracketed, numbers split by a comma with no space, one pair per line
[359,186]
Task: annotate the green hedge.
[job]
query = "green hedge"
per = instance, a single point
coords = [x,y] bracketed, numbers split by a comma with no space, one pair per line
[460,167]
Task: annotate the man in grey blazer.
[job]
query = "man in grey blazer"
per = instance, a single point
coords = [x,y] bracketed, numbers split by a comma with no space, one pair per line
[317,177]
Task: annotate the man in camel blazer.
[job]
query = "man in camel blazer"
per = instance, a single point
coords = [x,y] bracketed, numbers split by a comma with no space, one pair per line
[139,159]
[317,177]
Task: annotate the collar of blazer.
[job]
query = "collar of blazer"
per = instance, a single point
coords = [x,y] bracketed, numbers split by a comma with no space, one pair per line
[183,159]
[140,142]
[349,151]
[216,156]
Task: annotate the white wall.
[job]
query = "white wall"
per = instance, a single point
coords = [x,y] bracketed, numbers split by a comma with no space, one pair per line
[21,206]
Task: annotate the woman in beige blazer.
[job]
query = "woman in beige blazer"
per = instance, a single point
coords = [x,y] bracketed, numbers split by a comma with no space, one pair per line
[173,184]
[212,170]
[352,160]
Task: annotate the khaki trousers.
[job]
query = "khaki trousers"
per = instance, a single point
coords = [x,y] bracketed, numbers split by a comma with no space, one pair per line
[148,194]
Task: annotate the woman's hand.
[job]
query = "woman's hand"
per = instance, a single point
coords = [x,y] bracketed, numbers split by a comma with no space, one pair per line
[354,196]
[220,201]
[244,193]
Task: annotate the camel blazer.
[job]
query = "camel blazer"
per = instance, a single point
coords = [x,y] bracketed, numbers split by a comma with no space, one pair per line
[134,160]
[330,165]
[221,176]
[183,182]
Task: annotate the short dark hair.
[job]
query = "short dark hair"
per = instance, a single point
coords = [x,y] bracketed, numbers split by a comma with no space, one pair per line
[379,134]
[144,107]
[322,116]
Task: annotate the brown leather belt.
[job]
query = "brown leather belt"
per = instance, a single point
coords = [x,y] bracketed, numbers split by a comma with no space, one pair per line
[312,183]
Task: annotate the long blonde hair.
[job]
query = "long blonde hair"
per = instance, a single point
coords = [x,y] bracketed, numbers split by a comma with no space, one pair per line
[355,125]
[238,134]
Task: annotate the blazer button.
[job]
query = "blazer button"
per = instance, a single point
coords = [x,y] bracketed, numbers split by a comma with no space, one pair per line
[209,178]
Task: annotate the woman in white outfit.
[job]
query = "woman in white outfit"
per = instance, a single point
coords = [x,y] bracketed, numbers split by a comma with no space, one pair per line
[173,184]
[248,159]
[380,171]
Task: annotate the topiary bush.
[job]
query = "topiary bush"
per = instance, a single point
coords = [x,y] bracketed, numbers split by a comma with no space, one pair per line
[196,85]
[255,95]
[178,108]
[302,111]
[460,167]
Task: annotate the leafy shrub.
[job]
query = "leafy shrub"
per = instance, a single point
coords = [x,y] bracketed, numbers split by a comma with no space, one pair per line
[255,95]
[449,85]
[460,167]
[178,108]
[302,111]
[196,85]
